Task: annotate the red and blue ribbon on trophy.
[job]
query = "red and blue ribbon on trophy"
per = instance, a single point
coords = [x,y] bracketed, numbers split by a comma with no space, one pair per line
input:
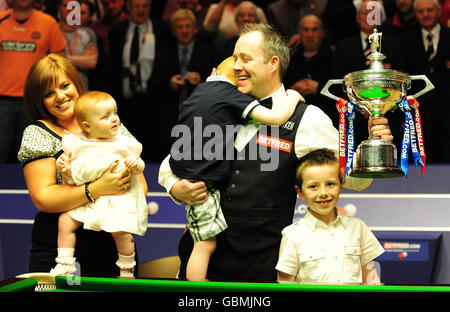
[412,135]
[346,110]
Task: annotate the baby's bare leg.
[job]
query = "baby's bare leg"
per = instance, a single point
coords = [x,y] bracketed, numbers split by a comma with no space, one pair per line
[66,231]
[197,266]
[66,245]
[125,248]
[124,243]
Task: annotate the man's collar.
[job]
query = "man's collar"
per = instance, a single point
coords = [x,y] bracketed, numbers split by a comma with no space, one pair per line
[141,26]
[217,78]
[276,93]
[190,46]
[435,31]
[280,93]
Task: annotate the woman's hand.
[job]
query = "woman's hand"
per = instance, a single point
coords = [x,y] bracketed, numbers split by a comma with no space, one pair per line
[190,192]
[111,182]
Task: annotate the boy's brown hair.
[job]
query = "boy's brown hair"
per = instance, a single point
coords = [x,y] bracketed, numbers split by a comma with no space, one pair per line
[322,156]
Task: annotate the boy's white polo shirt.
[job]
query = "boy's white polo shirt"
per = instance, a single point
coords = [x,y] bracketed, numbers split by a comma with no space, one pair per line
[315,252]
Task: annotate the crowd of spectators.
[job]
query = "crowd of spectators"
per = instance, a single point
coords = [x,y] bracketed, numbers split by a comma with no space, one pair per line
[178,42]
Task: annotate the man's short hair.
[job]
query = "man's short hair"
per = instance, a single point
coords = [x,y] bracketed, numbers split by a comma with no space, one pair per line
[182,13]
[273,43]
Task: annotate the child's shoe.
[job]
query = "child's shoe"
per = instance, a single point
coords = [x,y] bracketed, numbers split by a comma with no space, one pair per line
[65,262]
[65,266]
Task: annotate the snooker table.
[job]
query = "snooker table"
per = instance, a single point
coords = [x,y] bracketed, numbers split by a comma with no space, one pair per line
[49,283]
[178,295]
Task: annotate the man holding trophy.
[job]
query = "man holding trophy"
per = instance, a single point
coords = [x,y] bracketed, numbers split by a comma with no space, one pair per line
[375,91]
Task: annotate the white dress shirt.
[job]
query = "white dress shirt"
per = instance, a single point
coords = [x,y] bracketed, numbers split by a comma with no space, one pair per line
[146,54]
[435,33]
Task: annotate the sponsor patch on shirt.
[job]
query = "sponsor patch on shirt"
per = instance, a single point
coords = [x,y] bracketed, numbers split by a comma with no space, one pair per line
[289,125]
[276,143]
[18,46]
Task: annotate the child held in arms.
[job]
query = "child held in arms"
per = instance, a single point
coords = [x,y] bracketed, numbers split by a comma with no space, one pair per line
[216,103]
[87,155]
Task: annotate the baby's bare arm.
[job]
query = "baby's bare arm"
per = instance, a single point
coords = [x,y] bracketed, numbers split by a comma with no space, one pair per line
[64,165]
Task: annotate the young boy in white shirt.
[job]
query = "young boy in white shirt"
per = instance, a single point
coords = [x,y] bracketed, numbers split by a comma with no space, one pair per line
[325,246]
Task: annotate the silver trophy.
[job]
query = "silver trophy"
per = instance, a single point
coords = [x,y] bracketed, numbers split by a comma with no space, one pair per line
[376,91]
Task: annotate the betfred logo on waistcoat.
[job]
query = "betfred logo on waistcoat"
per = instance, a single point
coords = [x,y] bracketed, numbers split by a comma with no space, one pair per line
[276,143]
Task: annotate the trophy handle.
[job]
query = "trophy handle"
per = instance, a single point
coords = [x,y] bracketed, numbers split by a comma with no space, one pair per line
[327,85]
[429,86]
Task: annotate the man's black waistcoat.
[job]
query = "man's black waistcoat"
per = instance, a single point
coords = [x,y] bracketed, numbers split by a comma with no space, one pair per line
[257,204]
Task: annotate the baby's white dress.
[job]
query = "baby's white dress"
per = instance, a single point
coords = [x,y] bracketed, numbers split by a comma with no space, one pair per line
[113,213]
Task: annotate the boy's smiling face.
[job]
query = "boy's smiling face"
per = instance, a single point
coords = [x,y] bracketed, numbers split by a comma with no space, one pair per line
[320,189]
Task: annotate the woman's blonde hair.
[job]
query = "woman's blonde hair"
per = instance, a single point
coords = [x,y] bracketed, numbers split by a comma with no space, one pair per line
[42,77]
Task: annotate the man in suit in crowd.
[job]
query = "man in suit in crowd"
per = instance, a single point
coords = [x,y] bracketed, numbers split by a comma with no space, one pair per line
[285,15]
[340,17]
[199,8]
[311,64]
[113,13]
[245,13]
[403,21]
[133,44]
[351,55]
[426,51]
[177,71]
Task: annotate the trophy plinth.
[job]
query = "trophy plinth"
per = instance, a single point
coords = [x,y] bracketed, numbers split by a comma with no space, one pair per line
[376,158]
[376,91]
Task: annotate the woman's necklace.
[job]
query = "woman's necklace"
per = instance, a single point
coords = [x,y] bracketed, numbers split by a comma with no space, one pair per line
[66,131]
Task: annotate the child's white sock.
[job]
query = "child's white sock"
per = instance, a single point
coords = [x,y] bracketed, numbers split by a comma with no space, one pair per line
[126,265]
[66,252]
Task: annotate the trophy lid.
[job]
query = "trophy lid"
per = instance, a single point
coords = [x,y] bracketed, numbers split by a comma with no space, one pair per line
[376,86]
[377,82]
